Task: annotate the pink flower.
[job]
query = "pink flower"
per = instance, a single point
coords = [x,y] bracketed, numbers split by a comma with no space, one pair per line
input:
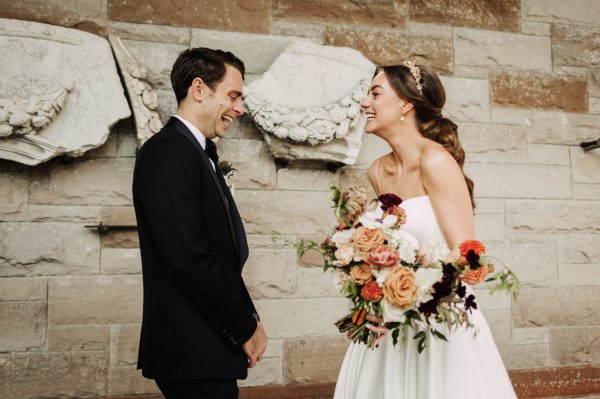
[383,256]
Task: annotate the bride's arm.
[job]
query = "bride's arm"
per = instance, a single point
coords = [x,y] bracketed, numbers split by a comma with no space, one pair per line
[445,184]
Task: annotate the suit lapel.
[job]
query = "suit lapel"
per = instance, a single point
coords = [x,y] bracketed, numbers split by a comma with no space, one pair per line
[181,128]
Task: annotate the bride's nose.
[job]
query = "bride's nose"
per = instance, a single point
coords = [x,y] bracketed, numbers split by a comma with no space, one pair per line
[365,103]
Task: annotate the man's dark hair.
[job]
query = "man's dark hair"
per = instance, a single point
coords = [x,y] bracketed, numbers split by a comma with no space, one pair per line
[204,63]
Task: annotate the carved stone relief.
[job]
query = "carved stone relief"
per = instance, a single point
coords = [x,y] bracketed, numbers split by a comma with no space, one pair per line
[60,92]
[307,103]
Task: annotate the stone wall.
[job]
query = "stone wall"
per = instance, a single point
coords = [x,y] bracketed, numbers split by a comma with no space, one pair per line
[523,83]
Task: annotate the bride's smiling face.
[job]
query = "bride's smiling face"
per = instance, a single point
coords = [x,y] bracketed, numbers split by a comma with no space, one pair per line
[382,106]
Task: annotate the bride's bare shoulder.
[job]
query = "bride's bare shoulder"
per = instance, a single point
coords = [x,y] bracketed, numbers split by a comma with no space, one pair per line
[435,156]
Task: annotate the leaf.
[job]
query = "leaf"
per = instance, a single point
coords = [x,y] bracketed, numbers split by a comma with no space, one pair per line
[395,334]
[438,335]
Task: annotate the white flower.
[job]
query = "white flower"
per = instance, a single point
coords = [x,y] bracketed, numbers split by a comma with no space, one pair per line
[406,244]
[425,277]
[344,254]
[380,275]
[373,219]
[438,252]
[338,279]
[342,237]
[391,313]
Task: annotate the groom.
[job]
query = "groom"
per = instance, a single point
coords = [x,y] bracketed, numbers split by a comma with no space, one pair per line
[200,330]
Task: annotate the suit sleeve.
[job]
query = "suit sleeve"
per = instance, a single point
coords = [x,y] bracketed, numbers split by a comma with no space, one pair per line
[167,181]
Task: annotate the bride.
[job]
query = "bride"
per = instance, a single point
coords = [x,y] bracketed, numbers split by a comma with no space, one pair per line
[404,107]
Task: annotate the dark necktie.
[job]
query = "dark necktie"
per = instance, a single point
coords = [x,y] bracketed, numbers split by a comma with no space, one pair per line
[211,151]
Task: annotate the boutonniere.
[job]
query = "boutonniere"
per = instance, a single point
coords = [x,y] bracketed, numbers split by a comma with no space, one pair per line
[227,171]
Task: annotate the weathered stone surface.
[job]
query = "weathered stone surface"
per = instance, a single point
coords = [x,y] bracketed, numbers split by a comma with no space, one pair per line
[373,147]
[584,11]
[13,195]
[245,16]
[579,249]
[108,300]
[580,307]
[520,181]
[64,213]
[126,139]
[526,356]
[286,212]
[313,282]
[535,28]
[254,164]
[310,317]
[29,249]
[534,90]
[487,139]
[305,179]
[23,289]
[467,99]
[124,344]
[574,345]
[84,182]
[501,15]
[87,15]
[51,375]
[129,381]
[371,12]
[77,338]
[357,178]
[313,257]
[385,47]
[553,216]
[509,116]
[562,128]
[489,226]
[150,33]
[594,82]
[538,270]
[118,216]
[120,238]
[120,261]
[108,149]
[78,73]
[244,128]
[23,326]
[500,325]
[271,273]
[267,372]
[286,27]
[530,336]
[586,165]
[313,359]
[577,274]
[501,49]
[576,45]
[594,105]
[586,191]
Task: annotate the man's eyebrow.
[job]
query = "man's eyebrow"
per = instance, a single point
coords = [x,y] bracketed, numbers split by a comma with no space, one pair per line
[237,93]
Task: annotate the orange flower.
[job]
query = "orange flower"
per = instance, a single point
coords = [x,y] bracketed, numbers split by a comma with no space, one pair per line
[473,245]
[399,287]
[383,256]
[367,239]
[361,274]
[399,212]
[473,277]
[371,292]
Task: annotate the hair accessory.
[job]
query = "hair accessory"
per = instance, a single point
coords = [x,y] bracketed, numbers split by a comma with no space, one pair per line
[416,73]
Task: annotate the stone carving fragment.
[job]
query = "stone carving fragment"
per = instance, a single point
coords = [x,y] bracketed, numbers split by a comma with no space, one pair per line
[144,99]
[60,92]
[308,103]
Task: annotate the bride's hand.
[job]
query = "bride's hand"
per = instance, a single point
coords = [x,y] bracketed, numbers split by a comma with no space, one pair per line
[376,328]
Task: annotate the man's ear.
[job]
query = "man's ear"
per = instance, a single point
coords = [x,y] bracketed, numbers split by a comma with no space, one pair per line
[196,90]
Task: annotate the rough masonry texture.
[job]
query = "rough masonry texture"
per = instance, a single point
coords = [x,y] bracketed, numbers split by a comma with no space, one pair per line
[522,80]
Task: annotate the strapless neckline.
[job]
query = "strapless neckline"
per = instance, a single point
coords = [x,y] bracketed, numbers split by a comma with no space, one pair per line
[415,198]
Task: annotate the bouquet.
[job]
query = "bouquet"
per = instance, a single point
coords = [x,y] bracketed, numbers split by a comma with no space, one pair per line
[387,273]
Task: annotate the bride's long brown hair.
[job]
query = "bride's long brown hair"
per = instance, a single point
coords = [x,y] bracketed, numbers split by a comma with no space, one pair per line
[428,110]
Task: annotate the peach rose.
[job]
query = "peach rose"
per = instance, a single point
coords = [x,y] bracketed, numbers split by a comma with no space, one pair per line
[383,256]
[361,274]
[475,276]
[344,254]
[367,239]
[399,287]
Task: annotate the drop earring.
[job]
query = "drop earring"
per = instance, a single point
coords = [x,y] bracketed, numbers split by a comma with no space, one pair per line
[402,118]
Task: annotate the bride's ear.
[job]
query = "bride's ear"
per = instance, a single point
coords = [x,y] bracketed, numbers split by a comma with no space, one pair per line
[406,107]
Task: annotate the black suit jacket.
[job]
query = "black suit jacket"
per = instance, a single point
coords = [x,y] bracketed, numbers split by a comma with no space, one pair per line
[197,311]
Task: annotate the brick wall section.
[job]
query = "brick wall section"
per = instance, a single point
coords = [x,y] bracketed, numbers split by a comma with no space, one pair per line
[523,83]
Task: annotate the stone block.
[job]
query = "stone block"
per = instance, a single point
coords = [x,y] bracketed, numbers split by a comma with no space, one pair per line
[23,326]
[501,15]
[553,216]
[254,164]
[118,216]
[309,317]
[373,147]
[150,32]
[120,261]
[500,322]
[274,348]
[23,289]
[520,181]
[391,13]
[77,338]
[64,213]
[562,128]
[126,139]
[267,372]
[87,15]
[580,307]
[526,356]
[271,273]
[60,248]
[579,249]
[594,104]
[575,345]
[535,28]
[509,116]
[108,300]
[313,359]
[106,150]
[467,99]
[586,191]
[530,336]
[53,375]
[487,139]
[576,45]
[557,11]
[489,227]
[385,47]
[124,345]
[594,82]
[538,270]
[286,27]
[129,381]
[13,195]
[305,179]
[535,90]
[249,16]
[285,212]
[84,182]
[314,283]
[244,128]
[578,274]
[585,166]
[120,238]
[501,49]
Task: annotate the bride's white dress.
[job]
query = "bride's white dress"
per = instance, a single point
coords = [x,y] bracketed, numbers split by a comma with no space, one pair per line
[467,367]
